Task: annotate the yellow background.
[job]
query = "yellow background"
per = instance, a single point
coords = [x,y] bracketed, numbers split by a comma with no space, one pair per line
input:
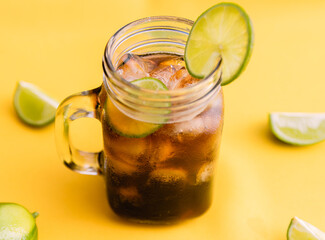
[261,183]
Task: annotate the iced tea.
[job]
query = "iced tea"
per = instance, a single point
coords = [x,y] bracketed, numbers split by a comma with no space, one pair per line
[166,176]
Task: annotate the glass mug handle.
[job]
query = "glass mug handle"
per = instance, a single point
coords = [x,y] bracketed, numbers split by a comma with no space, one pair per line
[80,105]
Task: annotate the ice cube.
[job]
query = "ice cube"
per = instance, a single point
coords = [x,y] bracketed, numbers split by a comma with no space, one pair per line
[168,175]
[207,122]
[205,173]
[117,145]
[121,165]
[181,79]
[176,62]
[125,155]
[161,154]
[129,194]
[163,73]
[133,67]
[165,70]
[129,146]
[188,130]
[201,139]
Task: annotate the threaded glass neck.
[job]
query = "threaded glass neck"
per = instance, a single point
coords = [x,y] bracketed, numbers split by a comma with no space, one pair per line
[155,35]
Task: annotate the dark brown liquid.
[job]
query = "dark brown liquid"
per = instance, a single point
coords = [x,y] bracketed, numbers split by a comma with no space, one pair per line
[166,176]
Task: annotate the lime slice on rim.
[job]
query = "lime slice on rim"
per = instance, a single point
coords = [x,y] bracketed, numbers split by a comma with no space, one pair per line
[298,128]
[16,222]
[33,106]
[301,230]
[129,127]
[223,30]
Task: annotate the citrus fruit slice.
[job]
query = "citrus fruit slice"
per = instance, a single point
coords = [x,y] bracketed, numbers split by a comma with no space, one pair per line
[130,127]
[298,128]
[33,106]
[223,30]
[301,230]
[16,222]
[150,83]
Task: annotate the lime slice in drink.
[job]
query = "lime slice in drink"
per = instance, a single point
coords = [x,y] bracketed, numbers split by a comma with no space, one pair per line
[298,128]
[33,106]
[150,83]
[301,230]
[130,127]
[16,222]
[223,30]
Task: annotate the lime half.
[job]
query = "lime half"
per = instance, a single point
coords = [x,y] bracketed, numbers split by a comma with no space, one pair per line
[16,222]
[223,30]
[130,127]
[301,230]
[298,128]
[33,106]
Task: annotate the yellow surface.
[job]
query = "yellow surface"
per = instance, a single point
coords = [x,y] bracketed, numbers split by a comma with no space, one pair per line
[261,183]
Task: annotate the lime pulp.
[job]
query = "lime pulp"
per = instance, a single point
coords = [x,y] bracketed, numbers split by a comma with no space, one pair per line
[298,128]
[301,230]
[223,30]
[33,106]
[127,126]
[16,222]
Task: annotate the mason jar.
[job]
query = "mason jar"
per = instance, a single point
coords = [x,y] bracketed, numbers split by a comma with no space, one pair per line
[160,146]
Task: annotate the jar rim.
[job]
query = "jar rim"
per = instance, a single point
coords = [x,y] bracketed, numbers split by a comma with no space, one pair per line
[108,64]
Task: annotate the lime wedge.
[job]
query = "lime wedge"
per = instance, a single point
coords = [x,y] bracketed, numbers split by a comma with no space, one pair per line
[298,128]
[129,127]
[33,106]
[16,222]
[301,230]
[223,30]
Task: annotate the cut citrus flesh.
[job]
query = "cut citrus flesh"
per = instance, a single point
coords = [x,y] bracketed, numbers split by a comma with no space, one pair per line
[16,222]
[225,31]
[298,128]
[127,126]
[301,230]
[33,106]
